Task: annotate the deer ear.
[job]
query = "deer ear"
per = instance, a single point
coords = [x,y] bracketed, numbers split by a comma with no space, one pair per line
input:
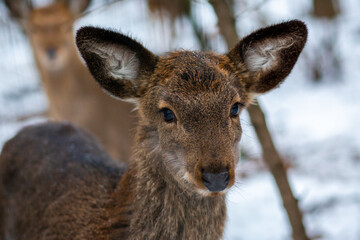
[19,9]
[78,6]
[118,63]
[269,54]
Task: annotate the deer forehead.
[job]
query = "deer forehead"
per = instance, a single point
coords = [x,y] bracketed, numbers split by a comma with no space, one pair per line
[54,14]
[193,73]
[196,82]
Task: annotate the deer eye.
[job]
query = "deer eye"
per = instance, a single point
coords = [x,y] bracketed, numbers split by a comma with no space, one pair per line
[168,115]
[234,111]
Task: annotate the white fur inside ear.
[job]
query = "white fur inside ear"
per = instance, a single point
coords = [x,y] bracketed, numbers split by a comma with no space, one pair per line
[121,63]
[264,55]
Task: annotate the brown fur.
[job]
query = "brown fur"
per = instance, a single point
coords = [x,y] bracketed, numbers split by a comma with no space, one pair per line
[70,88]
[58,184]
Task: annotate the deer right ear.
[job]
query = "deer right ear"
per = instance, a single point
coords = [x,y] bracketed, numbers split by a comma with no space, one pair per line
[19,9]
[118,63]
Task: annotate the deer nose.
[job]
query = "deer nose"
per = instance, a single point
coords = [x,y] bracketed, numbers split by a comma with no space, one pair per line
[51,52]
[215,182]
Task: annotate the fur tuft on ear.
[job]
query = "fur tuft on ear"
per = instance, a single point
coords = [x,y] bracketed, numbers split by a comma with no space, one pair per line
[269,54]
[118,63]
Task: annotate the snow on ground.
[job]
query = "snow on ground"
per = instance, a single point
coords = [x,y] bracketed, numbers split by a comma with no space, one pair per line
[315,126]
[332,208]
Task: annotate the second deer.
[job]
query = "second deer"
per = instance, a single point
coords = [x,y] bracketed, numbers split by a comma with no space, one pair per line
[72,93]
[57,183]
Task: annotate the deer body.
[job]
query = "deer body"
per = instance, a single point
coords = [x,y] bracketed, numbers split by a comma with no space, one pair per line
[57,183]
[72,93]
[97,207]
[55,160]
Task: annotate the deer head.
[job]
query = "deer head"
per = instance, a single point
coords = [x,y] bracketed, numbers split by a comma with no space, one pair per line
[49,29]
[189,102]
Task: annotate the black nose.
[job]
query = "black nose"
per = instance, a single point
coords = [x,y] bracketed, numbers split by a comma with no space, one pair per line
[215,182]
[51,52]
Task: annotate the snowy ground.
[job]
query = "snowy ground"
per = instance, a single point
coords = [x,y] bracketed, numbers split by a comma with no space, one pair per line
[315,126]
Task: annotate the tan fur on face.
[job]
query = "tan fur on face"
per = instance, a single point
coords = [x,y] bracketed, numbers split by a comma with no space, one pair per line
[200,93]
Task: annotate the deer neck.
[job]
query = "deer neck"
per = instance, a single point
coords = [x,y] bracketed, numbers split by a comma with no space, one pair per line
[150,204]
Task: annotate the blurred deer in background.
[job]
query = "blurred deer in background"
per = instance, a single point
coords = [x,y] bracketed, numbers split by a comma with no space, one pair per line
[72,93]
[57,183]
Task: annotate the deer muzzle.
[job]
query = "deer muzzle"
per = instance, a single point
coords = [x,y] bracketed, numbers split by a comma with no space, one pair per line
[215,182]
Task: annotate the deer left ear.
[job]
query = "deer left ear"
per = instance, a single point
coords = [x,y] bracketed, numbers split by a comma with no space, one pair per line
[269,54]
[78,6]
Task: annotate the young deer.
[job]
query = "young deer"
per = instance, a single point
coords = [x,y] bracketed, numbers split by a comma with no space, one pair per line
[57,183]
[72,92]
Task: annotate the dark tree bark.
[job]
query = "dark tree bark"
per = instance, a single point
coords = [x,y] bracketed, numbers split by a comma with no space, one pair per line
[272,158]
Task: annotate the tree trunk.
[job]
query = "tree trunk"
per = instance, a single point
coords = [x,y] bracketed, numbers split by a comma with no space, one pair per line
[272,158]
